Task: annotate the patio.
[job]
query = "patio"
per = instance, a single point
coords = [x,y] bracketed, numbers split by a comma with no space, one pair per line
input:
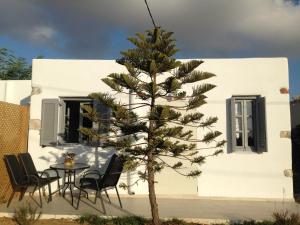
[191,208]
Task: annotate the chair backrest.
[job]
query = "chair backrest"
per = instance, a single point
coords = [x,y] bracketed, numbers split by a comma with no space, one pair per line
[27,164]
[113,171]
[14,169]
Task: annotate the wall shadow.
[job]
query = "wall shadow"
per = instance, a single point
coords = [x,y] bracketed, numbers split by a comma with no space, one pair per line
[25,101]
[96,157]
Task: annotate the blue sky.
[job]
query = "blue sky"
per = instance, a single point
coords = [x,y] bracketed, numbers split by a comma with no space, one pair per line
[97,29]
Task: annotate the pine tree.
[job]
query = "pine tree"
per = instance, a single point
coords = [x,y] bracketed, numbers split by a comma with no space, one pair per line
[12,67]
[146,140]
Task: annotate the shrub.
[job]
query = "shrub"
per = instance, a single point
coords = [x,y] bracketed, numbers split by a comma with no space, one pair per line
[92,220]
[253,222]
[175,221]
[27,215]
[286,218]
[125,220]
[129,220]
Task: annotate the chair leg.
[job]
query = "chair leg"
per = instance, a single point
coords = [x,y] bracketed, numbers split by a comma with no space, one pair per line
[22,193]
[34,190]
[10,198]
[107,196]
[44,192]
[119,197]
[102,203]
[96,194]
[58,187]
[50,193]
[78,199]
[40,197]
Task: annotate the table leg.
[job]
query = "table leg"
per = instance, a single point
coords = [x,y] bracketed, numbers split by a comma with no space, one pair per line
[69,183]
[79,187]
[66,183]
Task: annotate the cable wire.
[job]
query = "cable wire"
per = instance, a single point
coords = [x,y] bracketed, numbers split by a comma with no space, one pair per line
[150,14]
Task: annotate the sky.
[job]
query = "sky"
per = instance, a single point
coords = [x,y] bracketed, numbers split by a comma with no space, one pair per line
[98,29]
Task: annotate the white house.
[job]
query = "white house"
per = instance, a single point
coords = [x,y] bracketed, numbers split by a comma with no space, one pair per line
[254,117]
[15,91]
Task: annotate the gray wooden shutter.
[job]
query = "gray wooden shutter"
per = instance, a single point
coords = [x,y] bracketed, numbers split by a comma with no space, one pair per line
[232,123]
[261,131]
[49,120]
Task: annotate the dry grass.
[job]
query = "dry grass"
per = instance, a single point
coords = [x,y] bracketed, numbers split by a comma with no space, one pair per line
[11,221]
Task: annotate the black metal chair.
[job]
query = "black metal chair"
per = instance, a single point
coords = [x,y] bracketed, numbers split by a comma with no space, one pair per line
[19,181]
[109,180]
[42,178]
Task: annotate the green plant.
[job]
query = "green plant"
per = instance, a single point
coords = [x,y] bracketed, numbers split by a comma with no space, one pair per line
[27,215]
[124,220]
[253,222]
[286,218]
[129,220]
[175,221]
[92,220]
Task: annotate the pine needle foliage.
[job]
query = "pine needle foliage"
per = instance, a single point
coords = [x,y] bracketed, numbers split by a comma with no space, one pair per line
[154,76]
[12,67]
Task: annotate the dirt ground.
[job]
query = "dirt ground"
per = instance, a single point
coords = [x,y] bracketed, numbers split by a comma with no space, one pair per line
[10,221]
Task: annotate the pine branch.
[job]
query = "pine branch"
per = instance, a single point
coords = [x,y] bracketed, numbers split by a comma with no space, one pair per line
[140,106]
[209,121]
[192,118]
[209,137]
[201,89]
[186,68]
[177,157]
[194,173]
[196,76]
[196,102]
[137,103]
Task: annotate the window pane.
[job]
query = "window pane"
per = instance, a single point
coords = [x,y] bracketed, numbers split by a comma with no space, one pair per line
[238,124]
[249,123]
[239,139]
[249,107]
[250,139]
[238,108]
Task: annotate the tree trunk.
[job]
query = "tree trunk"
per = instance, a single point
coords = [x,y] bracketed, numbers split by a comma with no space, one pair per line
[150,169]
[152,195]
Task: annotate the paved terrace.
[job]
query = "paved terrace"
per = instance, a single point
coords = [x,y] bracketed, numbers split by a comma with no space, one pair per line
[213,210]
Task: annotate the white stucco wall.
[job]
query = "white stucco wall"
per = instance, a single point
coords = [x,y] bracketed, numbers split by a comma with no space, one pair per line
[248,174]
[241,175]
[15,91]
[67,78]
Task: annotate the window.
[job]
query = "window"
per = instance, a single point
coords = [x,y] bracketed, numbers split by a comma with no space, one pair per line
[248,124]
[74,120]
[61,119]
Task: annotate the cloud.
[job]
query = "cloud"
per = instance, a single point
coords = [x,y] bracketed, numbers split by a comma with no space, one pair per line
[22,21]
[203,28]
[41,34]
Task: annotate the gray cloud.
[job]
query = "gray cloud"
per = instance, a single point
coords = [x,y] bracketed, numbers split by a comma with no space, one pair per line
[203,28]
